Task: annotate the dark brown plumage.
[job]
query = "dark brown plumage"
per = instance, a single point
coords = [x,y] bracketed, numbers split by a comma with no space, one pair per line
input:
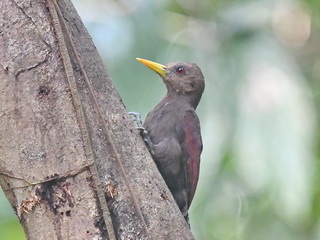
[173,129]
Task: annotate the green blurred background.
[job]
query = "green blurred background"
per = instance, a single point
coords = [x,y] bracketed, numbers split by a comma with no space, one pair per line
[260,175]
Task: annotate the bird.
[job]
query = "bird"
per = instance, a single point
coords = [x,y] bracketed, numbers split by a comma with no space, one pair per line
[172,129]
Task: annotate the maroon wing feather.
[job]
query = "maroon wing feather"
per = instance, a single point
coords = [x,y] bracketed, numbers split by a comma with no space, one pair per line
[193,144]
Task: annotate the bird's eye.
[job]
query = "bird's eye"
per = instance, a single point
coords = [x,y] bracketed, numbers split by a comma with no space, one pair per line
[180,70]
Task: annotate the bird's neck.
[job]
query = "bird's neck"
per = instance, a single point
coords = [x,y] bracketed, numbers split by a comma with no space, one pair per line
[182,98]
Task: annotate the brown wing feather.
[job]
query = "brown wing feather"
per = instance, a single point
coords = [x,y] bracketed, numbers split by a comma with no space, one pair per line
[193,144]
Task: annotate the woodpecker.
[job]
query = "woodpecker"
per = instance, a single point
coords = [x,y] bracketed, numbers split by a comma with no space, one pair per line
[173,130]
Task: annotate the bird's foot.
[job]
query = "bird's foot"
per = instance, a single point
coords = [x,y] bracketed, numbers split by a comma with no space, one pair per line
[136,117]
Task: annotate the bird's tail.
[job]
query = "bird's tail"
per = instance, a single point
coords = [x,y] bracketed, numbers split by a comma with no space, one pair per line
[186,217]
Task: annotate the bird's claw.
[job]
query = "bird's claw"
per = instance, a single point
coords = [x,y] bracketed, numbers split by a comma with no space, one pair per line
[143,132]
[136,117]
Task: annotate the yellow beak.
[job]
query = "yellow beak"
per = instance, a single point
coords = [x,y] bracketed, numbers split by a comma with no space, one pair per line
[157,67]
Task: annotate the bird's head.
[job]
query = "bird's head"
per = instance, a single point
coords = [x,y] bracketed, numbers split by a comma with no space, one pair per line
[181,79]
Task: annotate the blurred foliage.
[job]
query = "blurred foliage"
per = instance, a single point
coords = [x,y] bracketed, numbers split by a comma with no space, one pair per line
[10,228]
[260,172]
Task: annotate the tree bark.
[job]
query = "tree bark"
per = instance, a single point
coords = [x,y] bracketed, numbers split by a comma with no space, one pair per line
[71,163]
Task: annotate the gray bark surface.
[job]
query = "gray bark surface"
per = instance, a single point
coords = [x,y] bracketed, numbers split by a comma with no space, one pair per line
[71,163]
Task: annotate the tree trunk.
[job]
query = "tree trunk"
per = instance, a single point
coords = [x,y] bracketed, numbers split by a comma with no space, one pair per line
[71,163]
